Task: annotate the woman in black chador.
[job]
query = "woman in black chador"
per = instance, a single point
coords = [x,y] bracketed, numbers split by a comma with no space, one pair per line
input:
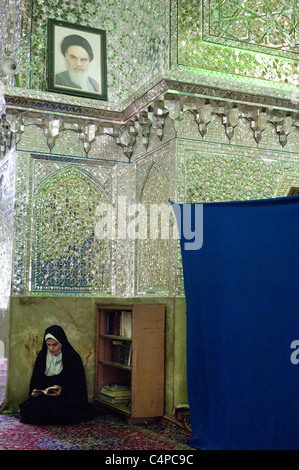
[57,364]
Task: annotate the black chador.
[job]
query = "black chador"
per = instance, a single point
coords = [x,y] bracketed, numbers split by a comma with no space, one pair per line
[64,369]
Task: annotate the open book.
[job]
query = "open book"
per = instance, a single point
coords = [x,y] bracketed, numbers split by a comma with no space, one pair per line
[47,391]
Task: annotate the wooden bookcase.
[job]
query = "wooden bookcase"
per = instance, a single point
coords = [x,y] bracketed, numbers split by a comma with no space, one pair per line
[136,362]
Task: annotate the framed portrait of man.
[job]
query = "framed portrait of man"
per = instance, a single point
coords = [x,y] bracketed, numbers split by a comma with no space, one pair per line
[77,60]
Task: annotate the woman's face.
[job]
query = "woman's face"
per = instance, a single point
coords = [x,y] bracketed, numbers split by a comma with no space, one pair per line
[53,346]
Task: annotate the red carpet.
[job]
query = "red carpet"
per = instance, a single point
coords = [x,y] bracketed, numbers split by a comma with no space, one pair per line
[110,432]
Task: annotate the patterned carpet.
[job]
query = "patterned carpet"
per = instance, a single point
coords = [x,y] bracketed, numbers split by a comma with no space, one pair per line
[107,432]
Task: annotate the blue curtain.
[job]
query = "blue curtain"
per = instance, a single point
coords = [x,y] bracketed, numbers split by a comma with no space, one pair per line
[242,301]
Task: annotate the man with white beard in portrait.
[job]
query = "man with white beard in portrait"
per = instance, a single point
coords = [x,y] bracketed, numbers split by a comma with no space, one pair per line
[78,55]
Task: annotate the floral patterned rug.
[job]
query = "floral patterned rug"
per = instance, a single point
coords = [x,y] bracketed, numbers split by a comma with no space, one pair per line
[107,432]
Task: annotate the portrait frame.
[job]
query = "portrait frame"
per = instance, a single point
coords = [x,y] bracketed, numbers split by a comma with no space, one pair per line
[94,43]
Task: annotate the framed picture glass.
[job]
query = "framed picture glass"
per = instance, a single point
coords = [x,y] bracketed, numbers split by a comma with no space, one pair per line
[77,60]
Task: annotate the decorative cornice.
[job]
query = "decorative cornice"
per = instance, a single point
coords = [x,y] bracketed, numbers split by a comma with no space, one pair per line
[147,114]
[221,94]
[23,103]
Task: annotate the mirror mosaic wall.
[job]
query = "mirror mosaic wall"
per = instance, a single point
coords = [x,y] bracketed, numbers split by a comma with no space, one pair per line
[237,39]
[137,42]
[234,44]
[67,165]
[202,106]
[56,251]
[58,202]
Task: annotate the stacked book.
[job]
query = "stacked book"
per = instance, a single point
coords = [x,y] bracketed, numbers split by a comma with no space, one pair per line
[115,393]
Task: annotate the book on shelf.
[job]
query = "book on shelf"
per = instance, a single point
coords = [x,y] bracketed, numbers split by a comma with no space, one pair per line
[119,323]
[121,352]
[116,391]
[115,400]
[126,323]
[105,397]
[115,387]
[113,323]
[111,394]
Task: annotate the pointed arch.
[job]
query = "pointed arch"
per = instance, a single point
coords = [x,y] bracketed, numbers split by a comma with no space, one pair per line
[67,255]
[154,170]
[153,252]
[69,170]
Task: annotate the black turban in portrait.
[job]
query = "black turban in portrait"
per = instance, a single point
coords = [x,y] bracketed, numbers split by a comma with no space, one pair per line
[76,40]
